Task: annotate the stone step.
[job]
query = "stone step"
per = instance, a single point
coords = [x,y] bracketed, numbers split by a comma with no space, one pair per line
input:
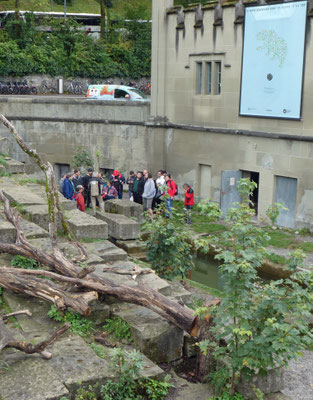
[124,207]
[106,250]
[85,226]
[73,364]
[20,195]
[158,339]
[119,226]
[130,246]
[40,190]
[151,280]
[7,231]
[14,166]
[33,231]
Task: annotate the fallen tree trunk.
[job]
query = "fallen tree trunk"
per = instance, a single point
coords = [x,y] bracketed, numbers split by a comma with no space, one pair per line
[47,290]
[7,340]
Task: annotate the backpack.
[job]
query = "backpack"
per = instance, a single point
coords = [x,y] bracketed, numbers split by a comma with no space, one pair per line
[94,188]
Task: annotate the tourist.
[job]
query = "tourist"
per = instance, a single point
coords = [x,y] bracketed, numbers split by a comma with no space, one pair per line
[61,183]
[160,182]
[80,201]
[68,189]
[171,191]
[189,202]
[118,180]
[148,193]
[130,182]
[109,192]
[85,183]
[76,178]
[95,188]
[138,188]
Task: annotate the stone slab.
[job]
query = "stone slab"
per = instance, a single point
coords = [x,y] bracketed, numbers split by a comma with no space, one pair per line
[29,378]
[150,280]
[155,337]
[124,207]
[39,215]
[119,226]
[7,231]
[33,231]
[21,195]
[85,226]
[130,246]
[106,250]
[14,166]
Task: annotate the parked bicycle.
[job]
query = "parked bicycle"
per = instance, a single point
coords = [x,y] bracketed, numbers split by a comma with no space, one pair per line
[46,87]
[146,89]
[75,87]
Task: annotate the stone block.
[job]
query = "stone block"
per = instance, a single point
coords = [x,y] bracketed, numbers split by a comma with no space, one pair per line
[86,226]
[33,231]
[39,215]
[106,250]
[155,337]
[100,312]
[14,166]
[151,280]
[131,246]
[273,382]
[120,227]
[7,231]
[21,195]
[124,207]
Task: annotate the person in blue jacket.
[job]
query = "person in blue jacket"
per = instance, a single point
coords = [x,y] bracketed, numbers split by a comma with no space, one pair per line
[68,189]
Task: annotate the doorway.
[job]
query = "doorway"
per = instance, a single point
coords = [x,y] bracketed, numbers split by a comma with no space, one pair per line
[255,177]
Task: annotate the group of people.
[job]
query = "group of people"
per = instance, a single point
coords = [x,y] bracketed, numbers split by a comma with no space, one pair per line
[142,189]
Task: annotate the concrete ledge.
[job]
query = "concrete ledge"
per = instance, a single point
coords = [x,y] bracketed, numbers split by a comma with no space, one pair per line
[120,227]
[124,207]
[85,226]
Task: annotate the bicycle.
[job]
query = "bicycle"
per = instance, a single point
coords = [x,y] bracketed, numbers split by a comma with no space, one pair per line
[146,89]
[46,87]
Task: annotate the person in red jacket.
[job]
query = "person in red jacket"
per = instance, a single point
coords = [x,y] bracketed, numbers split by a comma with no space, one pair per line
[171,192]
[189,202]
[80,201]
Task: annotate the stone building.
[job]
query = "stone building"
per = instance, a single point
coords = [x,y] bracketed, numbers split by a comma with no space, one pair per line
[196,77]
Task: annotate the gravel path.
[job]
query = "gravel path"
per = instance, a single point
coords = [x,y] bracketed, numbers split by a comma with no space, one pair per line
[299,378]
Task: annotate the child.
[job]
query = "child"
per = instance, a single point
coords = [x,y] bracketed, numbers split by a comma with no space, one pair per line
[189,202]
[80,198]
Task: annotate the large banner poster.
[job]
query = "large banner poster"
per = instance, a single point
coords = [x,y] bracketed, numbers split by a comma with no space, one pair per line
[272,61]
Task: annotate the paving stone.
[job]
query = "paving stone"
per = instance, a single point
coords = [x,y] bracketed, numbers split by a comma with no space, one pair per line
[106,250]
[120,227]
[20,195]
[39,215]
[155,337]
[85,226]
[124,207]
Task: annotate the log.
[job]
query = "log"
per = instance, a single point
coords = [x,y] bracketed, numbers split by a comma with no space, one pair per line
[7,340]
[45,289]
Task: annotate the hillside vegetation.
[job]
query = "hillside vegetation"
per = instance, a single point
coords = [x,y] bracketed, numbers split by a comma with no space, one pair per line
[62,48]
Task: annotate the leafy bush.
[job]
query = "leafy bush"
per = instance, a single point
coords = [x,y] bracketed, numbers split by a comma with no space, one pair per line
[168,249]
[79,324]
[118,329]
[24,262]
[82,158]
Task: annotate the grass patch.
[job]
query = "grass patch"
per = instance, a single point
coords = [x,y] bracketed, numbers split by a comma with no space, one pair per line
[3,173]
[207,289]
[209,228]
[99,350]
[25,181]
[3,161]
[307,247]
[277,259]
[280,239]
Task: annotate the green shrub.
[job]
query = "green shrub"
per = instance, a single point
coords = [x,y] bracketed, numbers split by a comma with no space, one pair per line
[24,262]
[118,329]
[79,324]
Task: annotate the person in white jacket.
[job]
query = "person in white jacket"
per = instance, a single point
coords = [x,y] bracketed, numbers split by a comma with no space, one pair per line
[148,193]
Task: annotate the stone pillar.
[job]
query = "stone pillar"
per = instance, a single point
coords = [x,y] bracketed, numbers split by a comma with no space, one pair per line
[159,56]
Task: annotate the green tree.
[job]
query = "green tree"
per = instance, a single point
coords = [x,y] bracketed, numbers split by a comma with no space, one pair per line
[168,248]
[264,324]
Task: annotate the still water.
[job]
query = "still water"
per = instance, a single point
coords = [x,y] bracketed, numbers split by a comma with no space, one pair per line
[206,271]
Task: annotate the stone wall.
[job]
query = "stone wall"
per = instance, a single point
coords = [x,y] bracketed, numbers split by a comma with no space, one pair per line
[57,126]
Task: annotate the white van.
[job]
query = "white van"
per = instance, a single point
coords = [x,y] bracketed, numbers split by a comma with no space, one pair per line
[115,92]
